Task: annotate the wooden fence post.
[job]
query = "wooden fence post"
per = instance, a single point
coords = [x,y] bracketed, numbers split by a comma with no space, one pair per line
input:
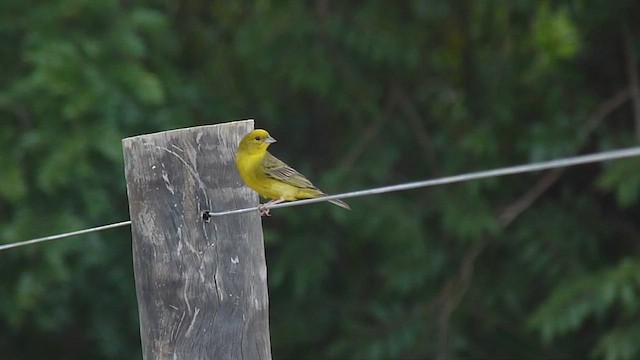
[201,287]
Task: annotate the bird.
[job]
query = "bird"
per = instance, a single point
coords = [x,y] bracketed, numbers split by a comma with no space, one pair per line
[269,176]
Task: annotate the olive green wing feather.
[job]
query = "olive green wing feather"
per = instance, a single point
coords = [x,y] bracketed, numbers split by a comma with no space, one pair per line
[278,170]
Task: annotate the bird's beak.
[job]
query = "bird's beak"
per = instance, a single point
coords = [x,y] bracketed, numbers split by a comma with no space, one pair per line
[270,140]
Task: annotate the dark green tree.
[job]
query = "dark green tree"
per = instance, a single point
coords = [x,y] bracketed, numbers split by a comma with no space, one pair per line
[359,94]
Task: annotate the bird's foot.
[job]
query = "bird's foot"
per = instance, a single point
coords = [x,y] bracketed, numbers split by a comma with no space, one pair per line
[262,207]
[263,210]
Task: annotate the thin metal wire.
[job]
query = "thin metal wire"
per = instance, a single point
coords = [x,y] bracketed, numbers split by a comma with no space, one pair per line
[60,236]
[571,161]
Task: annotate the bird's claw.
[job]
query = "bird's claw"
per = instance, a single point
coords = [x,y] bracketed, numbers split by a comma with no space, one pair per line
[263,210]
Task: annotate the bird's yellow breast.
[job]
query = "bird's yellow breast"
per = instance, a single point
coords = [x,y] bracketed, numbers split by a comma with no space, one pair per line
[251,170]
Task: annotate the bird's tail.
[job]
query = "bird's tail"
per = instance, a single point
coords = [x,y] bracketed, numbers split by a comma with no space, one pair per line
[340,203]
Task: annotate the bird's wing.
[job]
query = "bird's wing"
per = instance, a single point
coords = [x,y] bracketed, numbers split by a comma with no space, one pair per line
[278,170]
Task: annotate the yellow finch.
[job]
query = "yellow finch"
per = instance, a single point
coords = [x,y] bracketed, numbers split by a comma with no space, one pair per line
[269,176]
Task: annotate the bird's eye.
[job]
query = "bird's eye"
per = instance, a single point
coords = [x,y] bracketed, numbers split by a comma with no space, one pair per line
[257,138]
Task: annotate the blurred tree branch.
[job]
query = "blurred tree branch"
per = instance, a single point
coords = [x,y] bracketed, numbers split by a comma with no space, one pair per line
[632,73]
[417,124]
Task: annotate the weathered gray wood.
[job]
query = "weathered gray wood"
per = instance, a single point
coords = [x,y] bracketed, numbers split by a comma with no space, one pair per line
[201,287]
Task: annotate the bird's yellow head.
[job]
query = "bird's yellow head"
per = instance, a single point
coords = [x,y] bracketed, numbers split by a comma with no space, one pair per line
[256,141]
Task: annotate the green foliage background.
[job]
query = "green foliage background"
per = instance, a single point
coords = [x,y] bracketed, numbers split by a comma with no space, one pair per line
[359,94]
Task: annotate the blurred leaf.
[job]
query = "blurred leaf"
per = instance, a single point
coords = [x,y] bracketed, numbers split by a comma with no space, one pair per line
[622,178]
[620,343]
[590,297]
[555,33]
